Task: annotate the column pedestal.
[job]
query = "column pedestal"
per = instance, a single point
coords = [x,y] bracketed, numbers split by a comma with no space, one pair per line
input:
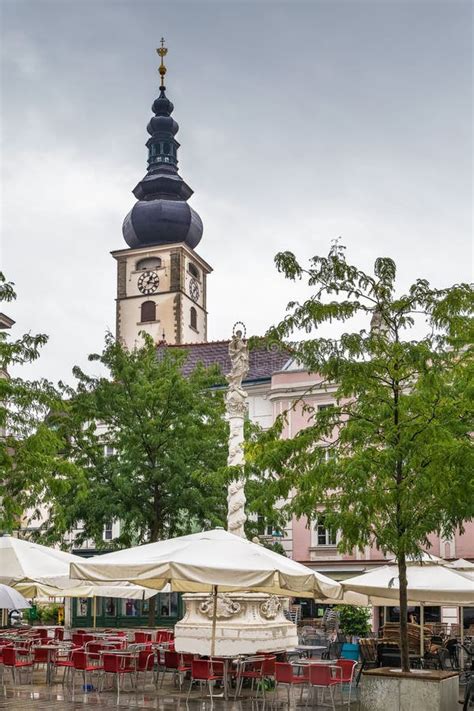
[246,623]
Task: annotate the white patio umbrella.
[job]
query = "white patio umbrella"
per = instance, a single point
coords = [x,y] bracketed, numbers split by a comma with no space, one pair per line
[24,560]
[11,599]
[75,589]
[211,561]
[428,583]
[201,561]
[38,571]
[78,589]
[463,566]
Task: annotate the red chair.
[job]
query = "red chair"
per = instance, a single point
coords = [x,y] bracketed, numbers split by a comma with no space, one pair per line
[145,664]
[347,674]
[170,665]
[164,636]
[63,660]
[324,677]
[11,661]
[81,662]
[59,634]
[285,674]
[120,666]
[250,668]
[205,671]
[142,637]
[94,649]
[41,656]
[268,670]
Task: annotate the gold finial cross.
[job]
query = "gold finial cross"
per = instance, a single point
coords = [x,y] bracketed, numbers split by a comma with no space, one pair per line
[162,52]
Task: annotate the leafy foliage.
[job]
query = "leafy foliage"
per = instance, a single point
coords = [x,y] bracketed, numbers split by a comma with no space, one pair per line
[149,445]
[354,621]
[30,449]
[392,461]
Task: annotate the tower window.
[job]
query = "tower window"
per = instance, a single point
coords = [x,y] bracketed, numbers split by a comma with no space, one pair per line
[192,269]
[193,318]
[148,311]
[148,263]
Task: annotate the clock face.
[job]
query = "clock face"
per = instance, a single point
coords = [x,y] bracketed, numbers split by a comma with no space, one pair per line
[194,290]
[148,282]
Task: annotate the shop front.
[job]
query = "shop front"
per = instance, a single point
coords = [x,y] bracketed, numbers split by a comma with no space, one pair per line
[114,612]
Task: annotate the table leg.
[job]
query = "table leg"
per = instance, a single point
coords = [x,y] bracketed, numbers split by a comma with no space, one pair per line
[226,679]
[48,669]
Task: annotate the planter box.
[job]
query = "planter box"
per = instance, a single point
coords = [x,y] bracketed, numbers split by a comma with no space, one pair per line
[387,689]
[350,651]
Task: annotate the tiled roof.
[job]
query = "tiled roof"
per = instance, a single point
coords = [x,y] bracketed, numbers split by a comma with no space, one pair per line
[263,361]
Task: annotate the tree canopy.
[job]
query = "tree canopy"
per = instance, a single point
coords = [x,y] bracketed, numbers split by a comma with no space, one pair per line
[392,461]
[30,450]
[148,443]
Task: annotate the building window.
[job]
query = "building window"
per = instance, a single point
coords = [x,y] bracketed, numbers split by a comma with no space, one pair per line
[109,450]
[324,536]
[193,270]
[193,318]
[148,311]
[82,607]
[110,609]
[130,608]
[148,263]
[108,531]
[168,604]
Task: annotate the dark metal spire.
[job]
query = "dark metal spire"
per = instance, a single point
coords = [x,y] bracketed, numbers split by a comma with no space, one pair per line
[162,184]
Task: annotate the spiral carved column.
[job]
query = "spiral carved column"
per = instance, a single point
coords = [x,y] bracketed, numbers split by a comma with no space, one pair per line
[236,408]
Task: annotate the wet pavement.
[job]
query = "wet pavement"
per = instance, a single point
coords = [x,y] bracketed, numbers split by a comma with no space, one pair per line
[39,697]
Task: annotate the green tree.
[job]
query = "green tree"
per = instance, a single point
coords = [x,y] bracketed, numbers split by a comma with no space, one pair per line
[150,444]
[30,449]
[392,461]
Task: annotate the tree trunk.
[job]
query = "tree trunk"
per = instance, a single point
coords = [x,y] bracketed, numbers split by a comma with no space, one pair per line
[403,584]
[152,611]
[154,536]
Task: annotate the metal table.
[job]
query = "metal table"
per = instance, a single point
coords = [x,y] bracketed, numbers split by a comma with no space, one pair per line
[50,648]
[310,648]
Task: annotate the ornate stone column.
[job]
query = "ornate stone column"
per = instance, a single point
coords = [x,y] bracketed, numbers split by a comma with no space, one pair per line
[236,409]
[237,623]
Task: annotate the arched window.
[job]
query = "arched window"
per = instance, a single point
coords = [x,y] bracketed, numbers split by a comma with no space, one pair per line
[148,311]
[192,269]
[193,318]
[148,263]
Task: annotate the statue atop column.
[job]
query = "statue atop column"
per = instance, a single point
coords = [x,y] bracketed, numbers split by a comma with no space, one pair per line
[236,408]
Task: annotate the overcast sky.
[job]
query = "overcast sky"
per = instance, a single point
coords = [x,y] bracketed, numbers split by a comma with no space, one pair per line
[299,122]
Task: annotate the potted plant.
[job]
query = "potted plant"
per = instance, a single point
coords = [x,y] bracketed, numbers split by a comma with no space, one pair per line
[354,622]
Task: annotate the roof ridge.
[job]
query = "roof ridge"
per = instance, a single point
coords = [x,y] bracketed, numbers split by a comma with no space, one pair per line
[200,343]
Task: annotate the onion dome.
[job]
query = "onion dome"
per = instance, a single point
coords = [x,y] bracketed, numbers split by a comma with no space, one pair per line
[162,214]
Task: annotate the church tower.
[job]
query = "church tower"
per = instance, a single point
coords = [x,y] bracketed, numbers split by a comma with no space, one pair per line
[161,280]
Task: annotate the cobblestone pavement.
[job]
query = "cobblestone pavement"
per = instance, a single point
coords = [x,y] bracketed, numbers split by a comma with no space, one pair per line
[39,697]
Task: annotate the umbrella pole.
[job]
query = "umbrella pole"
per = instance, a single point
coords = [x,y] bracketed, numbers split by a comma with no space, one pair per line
[422,630]
[94,611]
[461,629]
[214,620]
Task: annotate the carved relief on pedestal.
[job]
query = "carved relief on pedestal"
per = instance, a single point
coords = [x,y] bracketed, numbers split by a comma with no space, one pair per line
[225,607]
[271,607]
